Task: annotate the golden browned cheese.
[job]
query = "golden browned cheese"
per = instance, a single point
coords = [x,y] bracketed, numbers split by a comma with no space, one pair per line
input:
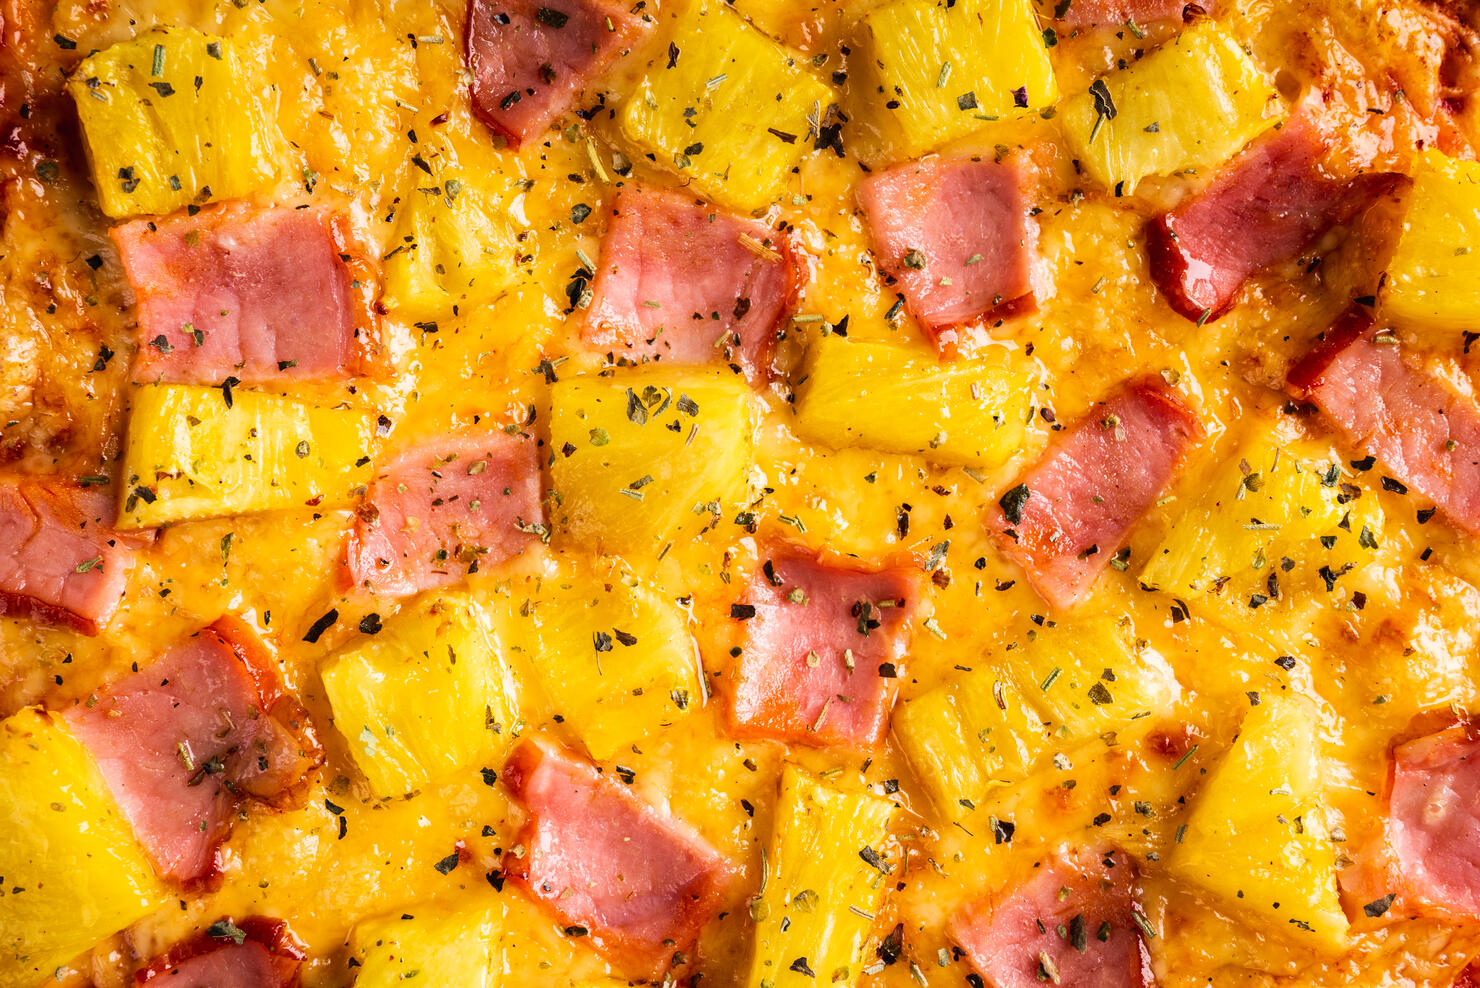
[370,95]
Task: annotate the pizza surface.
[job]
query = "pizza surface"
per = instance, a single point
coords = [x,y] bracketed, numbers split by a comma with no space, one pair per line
[769,493]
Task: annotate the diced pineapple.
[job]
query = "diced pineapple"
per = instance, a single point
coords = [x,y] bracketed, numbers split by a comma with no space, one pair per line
[197,452]
[641,459]
[432,946]
[930,71]
[1433,278]
[1190,104]
[902,400]
[426,696]
[1256,836]
[1268,503]
[727,108]
[73,873]
[451,250]
[1086,676]
[966,737]
[615,659]
[821,888]
[173,117]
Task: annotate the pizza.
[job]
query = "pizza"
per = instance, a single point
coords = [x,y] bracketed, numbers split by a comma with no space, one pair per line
[764,493]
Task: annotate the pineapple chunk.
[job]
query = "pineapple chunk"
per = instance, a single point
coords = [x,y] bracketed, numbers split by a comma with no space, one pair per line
[450,250]
[615,660]
[712,112]
[1190,104]
[965,738]
[930,71]
[1268,502]
[1255,837]
[1433,278]
[820,888]
[642,459]
[425,697]
[893,398]
[170,118]
[72,870]
[435,946]
[192,452]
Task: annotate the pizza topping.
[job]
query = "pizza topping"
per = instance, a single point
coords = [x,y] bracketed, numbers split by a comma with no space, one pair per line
[956,237]
[444,509]
[184,741]
[635,882]
[1130,13]
[255,953]
[1076,505]
[529,61]
[823,643]
[682,281]
[1433,824]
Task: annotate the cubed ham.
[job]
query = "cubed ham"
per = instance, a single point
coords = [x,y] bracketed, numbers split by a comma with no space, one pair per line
[821,650]
[183,742]
[444,508]
[689,283]
[1267,205]
[1114,13]
[956,237]
[1433,825]
[1066,519]
[259,293]
[1421,431]
[1075,923]
[255,953]
[637,883]
[60,560]
[530,58]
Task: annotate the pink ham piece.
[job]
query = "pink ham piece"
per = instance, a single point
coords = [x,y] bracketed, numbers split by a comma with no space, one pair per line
[956,237]
[1073,923]
[530,58]
[1269,204]
[255,953]
[1067,517]
[184,741]
[444,508]
[59,559]
[683,281]
[822,647]
[1433,825]
[259,293]
[1428,436]
[638,882]
[1112,13]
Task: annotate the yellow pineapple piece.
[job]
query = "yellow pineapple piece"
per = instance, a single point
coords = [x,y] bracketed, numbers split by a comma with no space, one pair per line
[615,659]
[426,696]
[1266,504]
[820,887]
[173,117]
[1256,836]
[641,459]
[191,453]
[902,400]
[73,873]
[1190,104]
[1433,278]
[713,110]
[930,71]
[433,945]
[453,247]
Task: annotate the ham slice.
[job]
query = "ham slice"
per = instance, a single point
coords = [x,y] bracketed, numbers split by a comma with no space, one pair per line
[635,881]
[1269,204]
[685,282]
[822,648]
[956,236]
[255,953]
[1109,13]
[442,510]
[60,561]
[185,741]
[1074,923]
[1069,514]
[259,293]
[1433,824]
[1428,436]
[530,58]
